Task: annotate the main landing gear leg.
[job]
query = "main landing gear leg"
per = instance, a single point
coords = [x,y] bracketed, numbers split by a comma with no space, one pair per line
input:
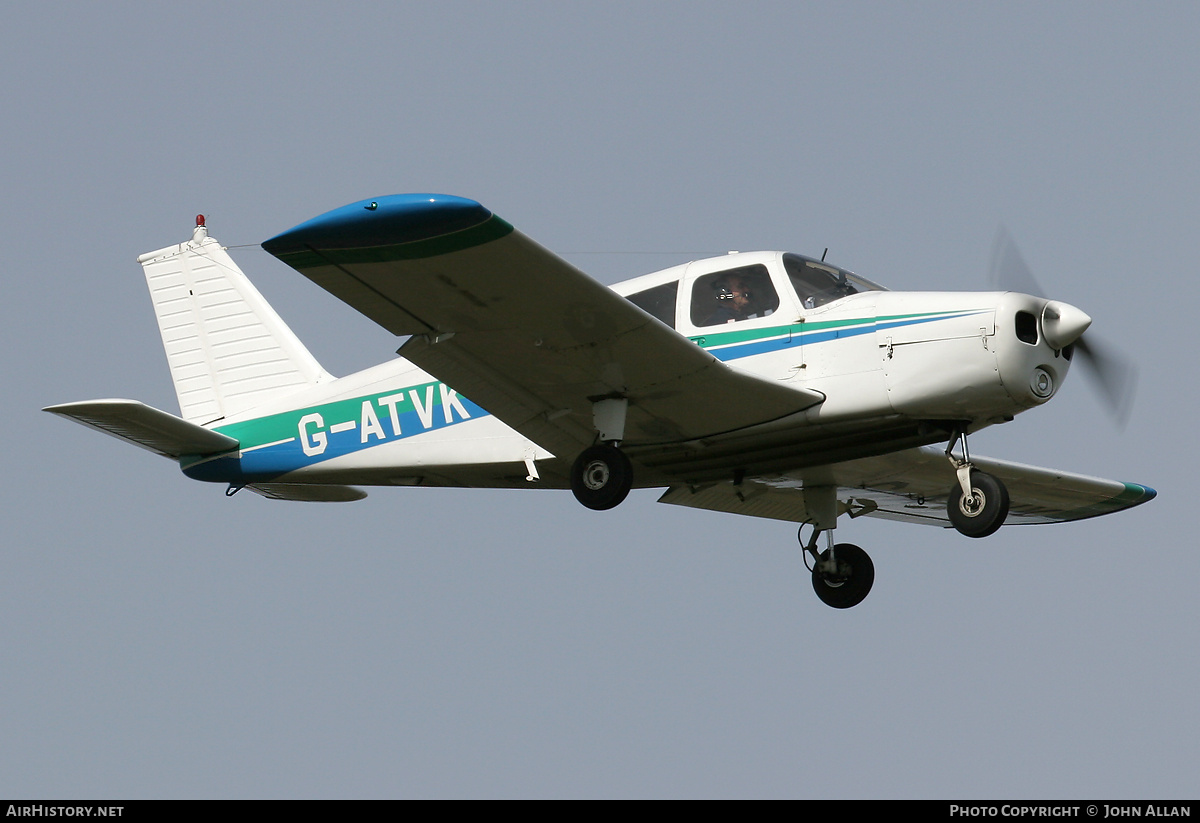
[978,504]
[843,574]
[602,475]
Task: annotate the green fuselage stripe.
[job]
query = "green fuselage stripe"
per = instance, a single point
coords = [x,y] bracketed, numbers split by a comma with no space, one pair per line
[727,338]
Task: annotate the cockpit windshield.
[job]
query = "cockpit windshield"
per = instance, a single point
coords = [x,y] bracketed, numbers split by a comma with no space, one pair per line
[819,283]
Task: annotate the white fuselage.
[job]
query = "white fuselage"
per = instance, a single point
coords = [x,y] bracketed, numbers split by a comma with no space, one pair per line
[897,369]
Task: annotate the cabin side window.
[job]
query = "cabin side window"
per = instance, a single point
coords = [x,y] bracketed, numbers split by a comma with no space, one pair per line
[658,302]
[732,295]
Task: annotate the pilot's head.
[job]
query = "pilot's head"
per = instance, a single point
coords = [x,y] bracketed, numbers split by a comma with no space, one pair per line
[733,293]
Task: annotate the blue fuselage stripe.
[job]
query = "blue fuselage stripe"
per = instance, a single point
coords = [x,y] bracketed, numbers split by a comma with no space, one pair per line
[316,442]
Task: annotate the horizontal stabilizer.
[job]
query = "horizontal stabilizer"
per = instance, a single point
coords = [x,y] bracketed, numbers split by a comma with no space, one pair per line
[307,493]
[145,426]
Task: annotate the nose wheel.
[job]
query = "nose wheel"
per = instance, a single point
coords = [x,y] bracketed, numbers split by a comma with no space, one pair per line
[978,504]
[983,511]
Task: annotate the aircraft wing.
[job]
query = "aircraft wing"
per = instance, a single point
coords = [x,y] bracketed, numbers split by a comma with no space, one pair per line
[519,330]
[912,486]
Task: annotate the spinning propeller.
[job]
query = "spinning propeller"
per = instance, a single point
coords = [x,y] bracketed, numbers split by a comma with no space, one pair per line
[1114,377]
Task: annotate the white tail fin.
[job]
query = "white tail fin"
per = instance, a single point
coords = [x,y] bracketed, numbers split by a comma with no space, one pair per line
[227,348]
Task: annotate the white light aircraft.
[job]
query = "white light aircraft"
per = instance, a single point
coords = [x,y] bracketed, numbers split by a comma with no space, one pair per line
[766,384]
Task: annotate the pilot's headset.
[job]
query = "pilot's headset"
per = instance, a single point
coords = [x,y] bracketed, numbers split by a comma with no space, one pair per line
[724,289]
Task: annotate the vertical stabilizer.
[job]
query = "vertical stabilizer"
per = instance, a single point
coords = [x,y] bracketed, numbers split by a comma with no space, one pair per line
[227,348]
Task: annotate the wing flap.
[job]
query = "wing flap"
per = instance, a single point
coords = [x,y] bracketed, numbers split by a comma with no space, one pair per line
[146,427]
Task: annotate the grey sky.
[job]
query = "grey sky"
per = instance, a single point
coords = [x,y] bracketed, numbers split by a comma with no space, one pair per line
[160,640]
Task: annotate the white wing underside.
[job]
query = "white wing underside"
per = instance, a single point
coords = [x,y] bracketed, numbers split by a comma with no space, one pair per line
[912,486]
[534,340]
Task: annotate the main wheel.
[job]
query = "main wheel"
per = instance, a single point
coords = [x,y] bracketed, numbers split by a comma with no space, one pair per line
[984,511]
[850,584]
[601,477]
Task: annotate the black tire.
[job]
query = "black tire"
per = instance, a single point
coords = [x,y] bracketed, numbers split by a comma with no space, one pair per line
[601,477]
[984,512]
[851,583]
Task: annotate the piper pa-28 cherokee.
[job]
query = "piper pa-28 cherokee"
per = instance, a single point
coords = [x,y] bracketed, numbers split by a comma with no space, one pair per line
[765,384]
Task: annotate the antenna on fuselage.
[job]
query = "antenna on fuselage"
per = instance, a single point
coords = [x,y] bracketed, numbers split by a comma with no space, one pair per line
[824,253]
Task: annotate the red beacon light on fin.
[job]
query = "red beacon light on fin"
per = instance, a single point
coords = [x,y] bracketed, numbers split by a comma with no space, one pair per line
[199,220]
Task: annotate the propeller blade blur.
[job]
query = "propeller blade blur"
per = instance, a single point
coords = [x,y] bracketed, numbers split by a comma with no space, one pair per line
[1115,377]
[1008,269]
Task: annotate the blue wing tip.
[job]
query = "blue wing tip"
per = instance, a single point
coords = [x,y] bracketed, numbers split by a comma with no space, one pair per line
[1136,494]
[381,221]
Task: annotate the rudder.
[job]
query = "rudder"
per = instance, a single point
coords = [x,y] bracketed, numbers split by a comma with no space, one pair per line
[228,350]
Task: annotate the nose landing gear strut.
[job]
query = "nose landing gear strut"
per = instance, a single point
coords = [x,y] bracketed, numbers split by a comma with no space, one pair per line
[978,504]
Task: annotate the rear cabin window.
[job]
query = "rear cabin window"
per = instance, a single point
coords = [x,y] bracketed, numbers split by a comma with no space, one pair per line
[732,295]
[658,301]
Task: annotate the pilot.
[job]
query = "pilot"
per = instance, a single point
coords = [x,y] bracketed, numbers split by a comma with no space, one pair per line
[733,300]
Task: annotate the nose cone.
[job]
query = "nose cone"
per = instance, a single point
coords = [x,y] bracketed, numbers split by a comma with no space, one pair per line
[1062,324]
